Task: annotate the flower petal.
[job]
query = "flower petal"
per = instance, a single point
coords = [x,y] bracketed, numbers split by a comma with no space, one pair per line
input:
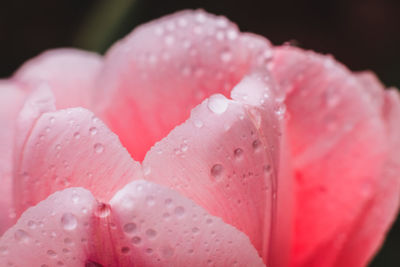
[11,101]
[163,228]
[55,232]
[68,148]
[70,74]
[337,141]
[226,159]
[163,69]
[361,244]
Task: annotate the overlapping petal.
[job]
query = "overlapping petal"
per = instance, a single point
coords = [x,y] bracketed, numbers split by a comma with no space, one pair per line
[339,145]
[230,165]
[66,148]
[153,77]
[11,100]
[146,225]
[69,73]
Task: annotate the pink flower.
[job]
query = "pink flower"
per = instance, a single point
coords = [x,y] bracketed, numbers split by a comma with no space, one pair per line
[246,154]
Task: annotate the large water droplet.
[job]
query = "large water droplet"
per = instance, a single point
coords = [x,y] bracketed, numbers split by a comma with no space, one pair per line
[69,221]
[216,171]
[217,104]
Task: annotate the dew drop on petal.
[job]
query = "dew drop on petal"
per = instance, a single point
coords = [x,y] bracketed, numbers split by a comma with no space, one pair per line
[238,153]
[217,104]
[216,171]
[21,236]
[129,228]
[93,130]
[69,221]
[98,148]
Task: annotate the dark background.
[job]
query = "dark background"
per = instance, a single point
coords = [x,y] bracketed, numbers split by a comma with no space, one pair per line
[363,34]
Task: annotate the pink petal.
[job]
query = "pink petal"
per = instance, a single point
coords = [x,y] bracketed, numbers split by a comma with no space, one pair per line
[53,233]
[163,69]
[226,159]
[147,225]
[11,100]
[338,144]
[163,228]
[70,74]
[69,148]
[361,244]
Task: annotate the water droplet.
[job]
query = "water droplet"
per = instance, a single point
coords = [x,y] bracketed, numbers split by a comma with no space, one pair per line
[125,250]
[167,252]
[77,135]
[226,56]
[198,123]
[129,228]
[151,233]
[217,171]
[232,34]
[217,104]
[267,169]
[69,221]
[75,198]
[169,40]
[280,110]
[195,230]
[32,224]
[103,210]
[98,148]
[21,236]
[58,147]
[184,147]
[52,120]
[136,240]
[257,145]
[150,201]
[51,253]
[238,153]
[180,211]
[90,263]
[93,130]
[3,250]
[68,241]
[146,170]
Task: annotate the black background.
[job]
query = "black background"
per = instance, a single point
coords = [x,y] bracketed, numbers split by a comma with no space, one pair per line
[363,34]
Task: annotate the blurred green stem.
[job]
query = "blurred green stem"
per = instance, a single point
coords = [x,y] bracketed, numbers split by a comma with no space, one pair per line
[103,21]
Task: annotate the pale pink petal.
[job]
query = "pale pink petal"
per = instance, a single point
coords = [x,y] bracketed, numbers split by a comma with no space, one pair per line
[69,73]
[373,87]
[362,244]
[338,143]
[53,233]
[68,148]
[225,157]
[163,228]
[11,101]
[157,74]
